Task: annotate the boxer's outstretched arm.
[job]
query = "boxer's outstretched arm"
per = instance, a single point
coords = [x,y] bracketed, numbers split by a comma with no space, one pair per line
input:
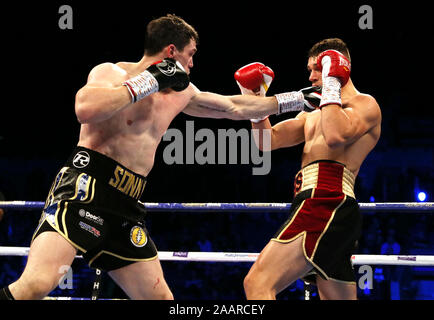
[237,107]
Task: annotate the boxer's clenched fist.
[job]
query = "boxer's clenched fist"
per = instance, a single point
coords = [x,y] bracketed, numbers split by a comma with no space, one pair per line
[167,73]
[312,98]
[254,78]
[332,63]
[335,69]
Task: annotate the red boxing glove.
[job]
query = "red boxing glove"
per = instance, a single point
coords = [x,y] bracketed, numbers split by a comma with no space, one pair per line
[332,63]
[335,69]
[254,77]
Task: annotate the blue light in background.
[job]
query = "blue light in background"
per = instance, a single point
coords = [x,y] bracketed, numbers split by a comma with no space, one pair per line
[421,196]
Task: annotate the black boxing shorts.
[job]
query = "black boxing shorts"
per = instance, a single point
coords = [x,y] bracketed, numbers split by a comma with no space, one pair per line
[93,204]
[326,214]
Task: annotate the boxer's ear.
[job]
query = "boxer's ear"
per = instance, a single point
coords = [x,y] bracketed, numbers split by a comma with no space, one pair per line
[170,50]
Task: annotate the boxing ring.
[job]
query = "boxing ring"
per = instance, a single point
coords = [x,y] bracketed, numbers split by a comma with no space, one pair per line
[358,259]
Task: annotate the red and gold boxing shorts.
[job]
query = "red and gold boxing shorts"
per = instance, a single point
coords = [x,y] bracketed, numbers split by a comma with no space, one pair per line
[326,214]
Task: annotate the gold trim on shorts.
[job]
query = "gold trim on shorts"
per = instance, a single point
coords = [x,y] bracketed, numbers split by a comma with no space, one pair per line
[310,175]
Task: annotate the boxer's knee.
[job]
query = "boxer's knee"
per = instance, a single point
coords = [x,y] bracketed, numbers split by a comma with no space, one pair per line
[248,284]
[32,288]
[256,286]
[166,295]
[162,293]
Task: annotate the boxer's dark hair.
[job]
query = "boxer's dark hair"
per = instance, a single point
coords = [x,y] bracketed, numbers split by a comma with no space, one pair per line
[329,44]
[166,30]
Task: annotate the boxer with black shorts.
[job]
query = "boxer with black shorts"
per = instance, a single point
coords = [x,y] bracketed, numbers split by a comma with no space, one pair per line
[93,204]
[124,110]
[324,224]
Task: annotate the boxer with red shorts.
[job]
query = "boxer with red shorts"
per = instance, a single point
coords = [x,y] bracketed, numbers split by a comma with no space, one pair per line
[326,214]
[324,224]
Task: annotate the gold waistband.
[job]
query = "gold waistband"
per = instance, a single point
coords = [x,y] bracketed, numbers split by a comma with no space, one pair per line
[309,178]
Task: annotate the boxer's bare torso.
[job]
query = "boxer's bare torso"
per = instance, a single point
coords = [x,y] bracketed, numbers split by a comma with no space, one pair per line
[131,135]
[352,153]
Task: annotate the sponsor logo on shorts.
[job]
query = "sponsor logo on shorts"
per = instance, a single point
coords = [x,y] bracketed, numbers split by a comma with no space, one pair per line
[81,159]
[138,236]
[90,229]
[87,215]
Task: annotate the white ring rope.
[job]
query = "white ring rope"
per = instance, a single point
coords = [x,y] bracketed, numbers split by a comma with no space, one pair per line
[358,259]
[423,207]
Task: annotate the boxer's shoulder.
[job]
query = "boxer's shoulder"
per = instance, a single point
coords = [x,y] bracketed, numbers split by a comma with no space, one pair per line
[107,71]
[361,100]
[127,66]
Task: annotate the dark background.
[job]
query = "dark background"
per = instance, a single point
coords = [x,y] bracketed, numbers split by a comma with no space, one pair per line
[43,67]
